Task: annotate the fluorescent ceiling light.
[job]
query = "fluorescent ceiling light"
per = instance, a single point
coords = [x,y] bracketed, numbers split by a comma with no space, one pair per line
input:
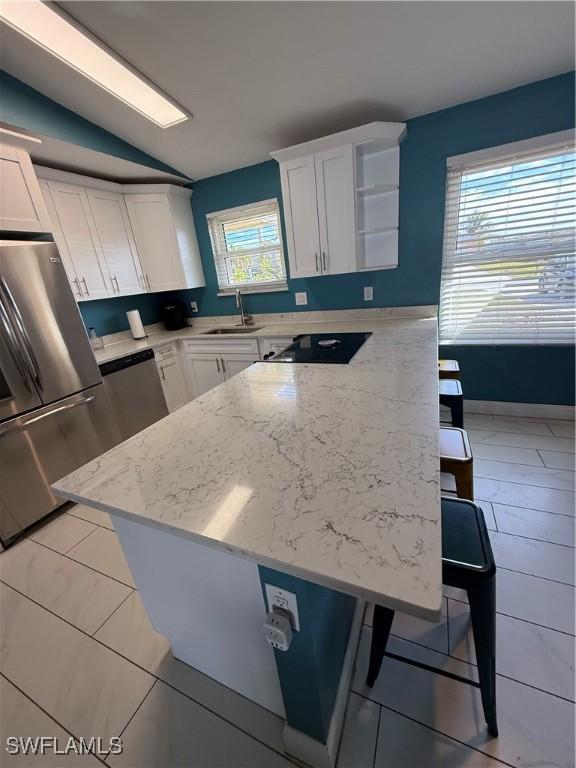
[81,51]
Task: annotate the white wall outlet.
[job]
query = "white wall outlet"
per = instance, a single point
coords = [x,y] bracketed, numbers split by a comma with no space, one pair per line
[281,598]
[194,306]
[301,298]
[368,293]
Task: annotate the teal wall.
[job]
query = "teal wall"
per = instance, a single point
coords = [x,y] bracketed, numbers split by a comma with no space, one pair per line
[22,106]
[309,671]
[539,108]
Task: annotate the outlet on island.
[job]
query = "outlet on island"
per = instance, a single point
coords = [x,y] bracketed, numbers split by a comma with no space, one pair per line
[285,601]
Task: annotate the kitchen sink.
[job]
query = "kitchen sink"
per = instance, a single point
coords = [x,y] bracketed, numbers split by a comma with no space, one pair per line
[226,331]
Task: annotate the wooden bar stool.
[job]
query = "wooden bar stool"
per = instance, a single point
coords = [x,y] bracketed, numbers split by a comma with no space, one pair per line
[448,369]
[467,563]
[451,396]
[456,459]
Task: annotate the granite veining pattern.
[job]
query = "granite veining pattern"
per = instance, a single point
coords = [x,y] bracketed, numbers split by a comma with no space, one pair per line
[327,472]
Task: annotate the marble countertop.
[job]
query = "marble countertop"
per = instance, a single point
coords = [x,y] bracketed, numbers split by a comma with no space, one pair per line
[284,324]
[328,472]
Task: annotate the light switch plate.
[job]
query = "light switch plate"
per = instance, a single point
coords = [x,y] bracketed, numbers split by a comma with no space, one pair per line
[301,298]
[285,600]
[368,293]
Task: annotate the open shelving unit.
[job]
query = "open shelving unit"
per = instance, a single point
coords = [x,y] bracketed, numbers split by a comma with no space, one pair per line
[377,167]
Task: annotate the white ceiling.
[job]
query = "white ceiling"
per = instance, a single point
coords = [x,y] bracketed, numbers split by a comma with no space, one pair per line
[259,76]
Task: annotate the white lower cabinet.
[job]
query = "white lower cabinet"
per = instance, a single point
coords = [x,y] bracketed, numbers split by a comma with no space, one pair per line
[203,372]
[209,362]
[171,376]
[233,364]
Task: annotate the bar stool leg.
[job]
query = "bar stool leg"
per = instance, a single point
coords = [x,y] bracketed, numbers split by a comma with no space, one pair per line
[457,411]
[464,477]
[482,601]
[381,626]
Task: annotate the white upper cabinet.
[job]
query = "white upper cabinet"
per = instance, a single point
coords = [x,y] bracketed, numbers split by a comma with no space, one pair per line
[77,230]
[335,191]
[298,178]
[340,196]
[22,207]
[116,241]
[163,226]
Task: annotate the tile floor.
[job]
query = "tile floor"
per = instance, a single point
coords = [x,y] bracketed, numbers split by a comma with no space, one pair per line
[78,656]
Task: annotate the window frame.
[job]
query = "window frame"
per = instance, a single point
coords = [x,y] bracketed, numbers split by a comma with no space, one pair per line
[213,219]
[452,202]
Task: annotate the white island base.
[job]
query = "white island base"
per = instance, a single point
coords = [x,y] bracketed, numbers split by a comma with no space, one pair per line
[210,605]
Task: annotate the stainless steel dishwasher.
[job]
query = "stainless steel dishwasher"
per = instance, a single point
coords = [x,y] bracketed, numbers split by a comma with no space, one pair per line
[135,392]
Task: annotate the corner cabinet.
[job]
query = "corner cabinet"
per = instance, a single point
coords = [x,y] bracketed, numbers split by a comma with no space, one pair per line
[163,226]
[118,240]
[340,196]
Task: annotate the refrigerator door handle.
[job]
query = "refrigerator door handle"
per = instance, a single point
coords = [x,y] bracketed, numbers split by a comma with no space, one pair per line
[23,422]
[13,347]
[26,345]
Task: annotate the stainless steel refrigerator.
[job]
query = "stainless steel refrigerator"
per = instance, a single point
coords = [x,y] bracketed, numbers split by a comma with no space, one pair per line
[54,412]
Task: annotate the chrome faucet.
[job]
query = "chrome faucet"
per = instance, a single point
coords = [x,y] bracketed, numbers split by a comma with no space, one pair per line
[244,318]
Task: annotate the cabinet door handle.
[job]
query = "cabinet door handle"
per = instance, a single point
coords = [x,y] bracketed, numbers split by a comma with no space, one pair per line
[85,286]
[324,260]
[116,281]
[80,294]
[316,257]
[218,364]
[223,365]
[162,372]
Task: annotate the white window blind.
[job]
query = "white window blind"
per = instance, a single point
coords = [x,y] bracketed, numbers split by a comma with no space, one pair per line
[247,247]
[508,265]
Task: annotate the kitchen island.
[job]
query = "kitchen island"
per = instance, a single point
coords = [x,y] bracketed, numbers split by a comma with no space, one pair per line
[322,480]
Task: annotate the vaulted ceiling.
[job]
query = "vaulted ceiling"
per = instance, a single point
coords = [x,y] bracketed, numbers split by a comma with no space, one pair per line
[258,76]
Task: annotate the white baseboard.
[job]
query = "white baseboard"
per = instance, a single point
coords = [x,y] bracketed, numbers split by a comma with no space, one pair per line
[530,410]
[304,747]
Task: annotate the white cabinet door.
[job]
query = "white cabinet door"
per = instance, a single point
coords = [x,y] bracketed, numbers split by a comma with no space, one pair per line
[77,227]
[116,240]
[335,193]
[301,216]
[173,383]
[204,372]
[233,364]
[22,207]
[60,241]
[151,220]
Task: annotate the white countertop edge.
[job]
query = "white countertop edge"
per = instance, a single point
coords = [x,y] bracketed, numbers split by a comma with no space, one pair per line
[429,614]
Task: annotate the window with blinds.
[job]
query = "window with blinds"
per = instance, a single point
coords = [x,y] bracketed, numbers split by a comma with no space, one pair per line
[508,267]
[247,247]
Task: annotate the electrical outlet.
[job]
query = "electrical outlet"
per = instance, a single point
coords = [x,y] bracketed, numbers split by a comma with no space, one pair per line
[194,306]
[281,598]
[368,294]
[301,298]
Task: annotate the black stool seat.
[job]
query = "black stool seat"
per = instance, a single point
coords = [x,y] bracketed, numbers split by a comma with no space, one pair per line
[467,563]
[451,395]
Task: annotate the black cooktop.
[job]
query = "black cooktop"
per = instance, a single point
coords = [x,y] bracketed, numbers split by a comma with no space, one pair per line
[321,348]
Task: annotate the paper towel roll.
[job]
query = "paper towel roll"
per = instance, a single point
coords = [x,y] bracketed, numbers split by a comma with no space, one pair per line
[136,326]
